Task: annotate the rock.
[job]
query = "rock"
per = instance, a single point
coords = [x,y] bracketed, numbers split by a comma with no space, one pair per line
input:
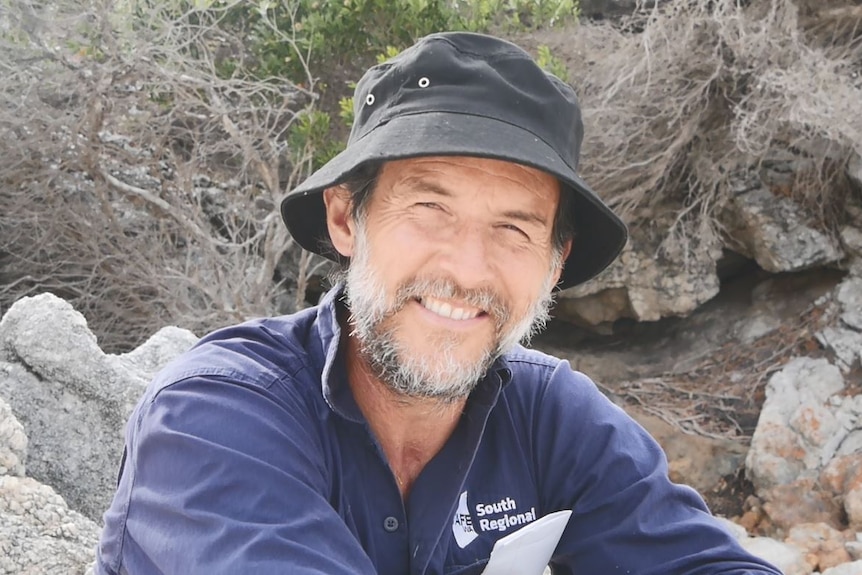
[152,355]
[786,557]
[648,282]
[13,443]
[755,327]
[821,542]
[803,458]
[854,170]
[773,231]
[841,472]
[849,297]
[846,344]
[853,503]
[852,443]
[39,533]
[753,514]
[854,568]
[801,501]
[842,477]
[72,399]
[851,237]
[65,350]
[595,309]
[738,531]
[854,549]
[697,461]
[797,429]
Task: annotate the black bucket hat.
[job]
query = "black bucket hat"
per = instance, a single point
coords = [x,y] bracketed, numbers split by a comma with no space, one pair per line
[464,94]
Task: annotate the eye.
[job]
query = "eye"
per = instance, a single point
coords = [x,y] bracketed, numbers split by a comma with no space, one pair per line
[515,230]
[430,205]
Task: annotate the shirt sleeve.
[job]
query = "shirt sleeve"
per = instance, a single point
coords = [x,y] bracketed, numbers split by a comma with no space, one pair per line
[627,516]
[225,476]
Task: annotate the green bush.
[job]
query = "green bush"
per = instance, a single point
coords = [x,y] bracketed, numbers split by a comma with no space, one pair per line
[294,38]
[308,40]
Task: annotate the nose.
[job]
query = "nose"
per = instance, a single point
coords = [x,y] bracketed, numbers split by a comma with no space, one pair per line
[468,257]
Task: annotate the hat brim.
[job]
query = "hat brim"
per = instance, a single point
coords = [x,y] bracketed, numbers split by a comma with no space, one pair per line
[600,234]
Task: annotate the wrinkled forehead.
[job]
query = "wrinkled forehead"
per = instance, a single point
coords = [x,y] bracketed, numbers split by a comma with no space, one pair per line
[470,178]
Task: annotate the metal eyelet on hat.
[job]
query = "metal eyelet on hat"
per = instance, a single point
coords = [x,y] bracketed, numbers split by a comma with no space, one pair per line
[424,82]
[369,99]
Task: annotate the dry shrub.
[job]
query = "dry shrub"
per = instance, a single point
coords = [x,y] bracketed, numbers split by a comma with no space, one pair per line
[108,121]
[684,99]
[110,114]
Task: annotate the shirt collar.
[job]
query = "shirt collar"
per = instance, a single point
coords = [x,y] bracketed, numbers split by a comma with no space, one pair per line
[334,385]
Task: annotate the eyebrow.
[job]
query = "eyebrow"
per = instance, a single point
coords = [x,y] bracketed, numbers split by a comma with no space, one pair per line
[420,185]
[526,217]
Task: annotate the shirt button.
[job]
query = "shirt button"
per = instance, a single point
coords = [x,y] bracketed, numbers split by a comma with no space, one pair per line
[390,524]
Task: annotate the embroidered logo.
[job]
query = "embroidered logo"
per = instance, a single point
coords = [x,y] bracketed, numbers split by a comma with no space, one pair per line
[462,524]
[500,516]
[496,516]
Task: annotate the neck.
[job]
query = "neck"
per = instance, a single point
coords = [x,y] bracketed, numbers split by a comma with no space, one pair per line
[410,430]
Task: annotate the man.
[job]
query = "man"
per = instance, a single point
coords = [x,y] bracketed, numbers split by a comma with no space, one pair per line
[398,427]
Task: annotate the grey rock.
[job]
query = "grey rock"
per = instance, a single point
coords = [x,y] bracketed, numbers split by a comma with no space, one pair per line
[846,344]
[64,351]
[773,231]
[798,429]
[786,557]
[854,170]
[820,541]
[738,531]
[148,358]
[854,549]
[647,282]
[849,297]
[853,506]
[39,534]
[13,443]
[755,327]
[854,568]
[72,399]
[851,444]
[851,237]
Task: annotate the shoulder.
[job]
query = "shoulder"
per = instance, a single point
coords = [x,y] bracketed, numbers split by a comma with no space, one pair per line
[257,353]
[547,397]
[247,389]
[534,373]
[550,398]
[522,356]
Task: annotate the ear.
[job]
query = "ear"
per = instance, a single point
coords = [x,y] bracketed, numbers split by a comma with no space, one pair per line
[339,220]
[567,249]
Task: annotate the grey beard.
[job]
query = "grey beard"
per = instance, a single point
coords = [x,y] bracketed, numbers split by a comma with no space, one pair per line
[438,374]
[445,381]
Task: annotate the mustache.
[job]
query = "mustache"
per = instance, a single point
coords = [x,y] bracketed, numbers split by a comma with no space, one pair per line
[485,299]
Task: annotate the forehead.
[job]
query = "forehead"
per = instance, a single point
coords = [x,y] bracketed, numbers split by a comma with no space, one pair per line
[471,178]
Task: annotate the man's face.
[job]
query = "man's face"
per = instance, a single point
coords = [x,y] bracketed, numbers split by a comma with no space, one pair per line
[452,264]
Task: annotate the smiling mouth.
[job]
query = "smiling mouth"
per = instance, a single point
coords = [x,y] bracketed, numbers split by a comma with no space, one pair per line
[447,310]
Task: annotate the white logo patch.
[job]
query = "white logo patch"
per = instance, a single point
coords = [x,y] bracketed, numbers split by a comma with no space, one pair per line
[462,524]
[499,516]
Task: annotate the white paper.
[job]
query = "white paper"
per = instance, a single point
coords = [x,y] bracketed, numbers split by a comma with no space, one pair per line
[528,550]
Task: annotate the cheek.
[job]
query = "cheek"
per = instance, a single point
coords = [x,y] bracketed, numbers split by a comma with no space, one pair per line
[397,248]
[529,284]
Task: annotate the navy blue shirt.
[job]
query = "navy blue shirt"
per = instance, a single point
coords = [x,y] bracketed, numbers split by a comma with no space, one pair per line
[249,455]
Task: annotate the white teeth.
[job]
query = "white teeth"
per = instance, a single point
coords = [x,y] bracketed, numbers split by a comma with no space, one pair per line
[445,309]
